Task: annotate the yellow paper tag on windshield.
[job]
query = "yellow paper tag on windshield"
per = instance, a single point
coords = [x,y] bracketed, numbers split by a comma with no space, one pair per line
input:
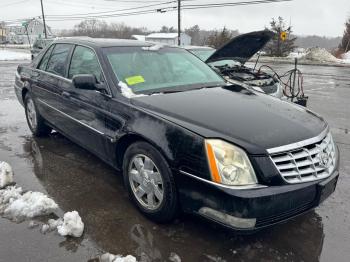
[133,80]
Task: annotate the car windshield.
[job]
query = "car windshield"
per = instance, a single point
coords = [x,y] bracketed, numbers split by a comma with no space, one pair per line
[203,54]
[163,69]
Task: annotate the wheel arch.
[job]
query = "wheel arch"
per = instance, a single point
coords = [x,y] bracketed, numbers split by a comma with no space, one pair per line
[25,90]
[128,139]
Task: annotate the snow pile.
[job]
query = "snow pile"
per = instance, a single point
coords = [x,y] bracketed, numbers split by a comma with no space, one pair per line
[107,257]
[346,57]
[72,225]
[320,55]
[8,195]
[127,91]
[6,174]
[29,205]
[6,55]
[51,225]
[17,205]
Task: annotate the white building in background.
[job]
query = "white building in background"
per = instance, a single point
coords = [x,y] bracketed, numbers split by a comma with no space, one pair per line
[139,37]
[169,38]
[27,31]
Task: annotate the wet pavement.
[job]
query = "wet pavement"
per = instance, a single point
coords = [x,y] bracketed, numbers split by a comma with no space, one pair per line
[77,180]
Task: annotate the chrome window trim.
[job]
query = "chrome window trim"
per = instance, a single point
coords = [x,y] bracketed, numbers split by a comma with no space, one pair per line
[74,119]
[300,144]
[256,186]
[69,80]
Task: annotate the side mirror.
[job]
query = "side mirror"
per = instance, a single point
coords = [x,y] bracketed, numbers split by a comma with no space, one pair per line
[86,82]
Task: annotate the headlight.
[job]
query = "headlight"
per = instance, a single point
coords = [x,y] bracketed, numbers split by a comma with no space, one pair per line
[229,164]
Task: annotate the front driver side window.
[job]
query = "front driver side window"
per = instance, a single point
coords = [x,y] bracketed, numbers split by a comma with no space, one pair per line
[84,61]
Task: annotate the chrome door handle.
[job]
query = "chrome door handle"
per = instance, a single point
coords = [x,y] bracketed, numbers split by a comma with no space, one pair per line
[65,94]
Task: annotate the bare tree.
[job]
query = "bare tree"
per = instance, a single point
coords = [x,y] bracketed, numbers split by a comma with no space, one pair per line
[345,43]
[218,38]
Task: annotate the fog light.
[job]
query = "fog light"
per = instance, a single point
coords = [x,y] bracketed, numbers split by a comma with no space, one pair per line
[237,222]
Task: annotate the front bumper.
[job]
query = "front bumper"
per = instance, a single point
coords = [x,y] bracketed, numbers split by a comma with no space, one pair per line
[252,209]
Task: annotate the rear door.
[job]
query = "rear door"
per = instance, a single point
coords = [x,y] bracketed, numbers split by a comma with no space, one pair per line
[46,77]
[87,109]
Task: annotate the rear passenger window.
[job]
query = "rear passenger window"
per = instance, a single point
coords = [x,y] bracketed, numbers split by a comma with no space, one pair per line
[84,61]
[59,58]
[45,59]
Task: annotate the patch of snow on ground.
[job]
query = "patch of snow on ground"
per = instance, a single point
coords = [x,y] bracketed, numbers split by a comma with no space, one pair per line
[6,174]
[320,55]
[6,55]
[72,225]
[29,205]
[107,257]
[8,195]
[296,55]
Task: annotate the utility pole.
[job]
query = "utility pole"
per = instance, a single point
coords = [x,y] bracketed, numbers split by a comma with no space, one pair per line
[42,12]
[179,22]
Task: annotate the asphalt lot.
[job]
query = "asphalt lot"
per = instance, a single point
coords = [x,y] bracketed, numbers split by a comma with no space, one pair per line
[77,180]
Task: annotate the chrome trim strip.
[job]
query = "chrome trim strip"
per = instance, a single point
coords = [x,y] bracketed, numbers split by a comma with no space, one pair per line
[300,144]
[257,186]
[49,91]
[76,120]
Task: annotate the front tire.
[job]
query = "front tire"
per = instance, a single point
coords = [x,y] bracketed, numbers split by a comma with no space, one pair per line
[149,182]
[35,121]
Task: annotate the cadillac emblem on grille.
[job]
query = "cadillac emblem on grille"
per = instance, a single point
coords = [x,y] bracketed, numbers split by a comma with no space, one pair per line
[324,158]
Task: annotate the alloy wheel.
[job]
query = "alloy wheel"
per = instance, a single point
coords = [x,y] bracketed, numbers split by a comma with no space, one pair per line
[146,182]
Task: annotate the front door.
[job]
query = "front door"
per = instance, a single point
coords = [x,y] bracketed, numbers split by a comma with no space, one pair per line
[86,109]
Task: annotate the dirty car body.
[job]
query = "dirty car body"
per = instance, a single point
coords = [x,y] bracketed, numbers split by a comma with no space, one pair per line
[235,156]
[229,60]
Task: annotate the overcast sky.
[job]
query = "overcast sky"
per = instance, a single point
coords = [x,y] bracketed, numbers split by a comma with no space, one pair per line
[308,17]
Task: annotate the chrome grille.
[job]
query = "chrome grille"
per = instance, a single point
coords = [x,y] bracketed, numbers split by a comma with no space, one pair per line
[307,163]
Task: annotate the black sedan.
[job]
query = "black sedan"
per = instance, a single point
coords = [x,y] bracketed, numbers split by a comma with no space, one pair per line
[183,137]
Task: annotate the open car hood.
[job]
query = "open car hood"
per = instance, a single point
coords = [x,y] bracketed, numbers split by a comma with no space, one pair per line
[242,47]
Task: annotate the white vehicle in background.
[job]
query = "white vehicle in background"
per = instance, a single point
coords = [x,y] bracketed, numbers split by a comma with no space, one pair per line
[230,59]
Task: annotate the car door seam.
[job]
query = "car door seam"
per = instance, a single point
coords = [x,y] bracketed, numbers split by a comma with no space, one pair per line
[82,123]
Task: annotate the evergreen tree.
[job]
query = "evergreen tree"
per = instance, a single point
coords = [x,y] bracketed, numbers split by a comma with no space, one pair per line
[278,47]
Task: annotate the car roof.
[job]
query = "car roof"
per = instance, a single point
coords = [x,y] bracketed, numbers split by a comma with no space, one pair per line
[104,42]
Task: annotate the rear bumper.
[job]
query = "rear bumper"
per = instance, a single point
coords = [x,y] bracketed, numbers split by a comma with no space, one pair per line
[18,90]
[252,209]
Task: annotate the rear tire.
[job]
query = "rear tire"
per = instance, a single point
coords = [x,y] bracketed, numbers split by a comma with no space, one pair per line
[149,182]
[35,121]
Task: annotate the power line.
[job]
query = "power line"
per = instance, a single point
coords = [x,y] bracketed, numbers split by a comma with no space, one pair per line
[116,13]
[112,11]
[14,3]
[121,13]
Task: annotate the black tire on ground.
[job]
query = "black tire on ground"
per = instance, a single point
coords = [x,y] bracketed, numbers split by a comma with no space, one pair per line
[168,207]
[35,121]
